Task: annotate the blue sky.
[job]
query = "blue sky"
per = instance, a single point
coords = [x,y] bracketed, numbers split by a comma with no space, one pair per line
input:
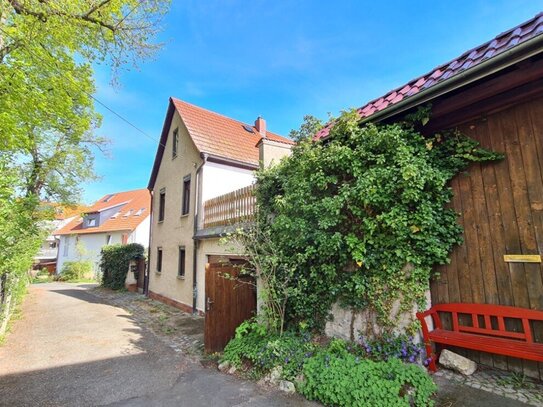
[282,60]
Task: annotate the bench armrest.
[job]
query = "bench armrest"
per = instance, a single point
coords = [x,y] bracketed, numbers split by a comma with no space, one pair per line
[421,316]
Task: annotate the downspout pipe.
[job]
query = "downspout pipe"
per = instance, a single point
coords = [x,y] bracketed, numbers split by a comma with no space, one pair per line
[148,271]
[197,207]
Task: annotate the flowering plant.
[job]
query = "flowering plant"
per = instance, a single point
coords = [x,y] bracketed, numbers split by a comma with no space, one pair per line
[391,345]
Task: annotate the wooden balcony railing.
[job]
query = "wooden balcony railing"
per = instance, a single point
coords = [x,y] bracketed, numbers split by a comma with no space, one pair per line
[231,208]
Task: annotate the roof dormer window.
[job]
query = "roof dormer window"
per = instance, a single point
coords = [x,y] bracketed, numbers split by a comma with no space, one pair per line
[108,197]
[139,212]
[128,213]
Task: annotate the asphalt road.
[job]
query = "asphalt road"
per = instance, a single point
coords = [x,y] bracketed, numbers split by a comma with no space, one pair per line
[70,349]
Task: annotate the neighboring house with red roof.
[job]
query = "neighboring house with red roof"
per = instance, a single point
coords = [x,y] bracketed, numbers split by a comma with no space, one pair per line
[201,156]
[120,217]
[492,93]
[47,255]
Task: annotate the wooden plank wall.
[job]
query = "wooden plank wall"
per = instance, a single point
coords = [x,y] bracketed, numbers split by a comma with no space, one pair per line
[500,206]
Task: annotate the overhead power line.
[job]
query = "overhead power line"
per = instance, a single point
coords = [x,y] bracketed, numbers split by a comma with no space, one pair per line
[103,104]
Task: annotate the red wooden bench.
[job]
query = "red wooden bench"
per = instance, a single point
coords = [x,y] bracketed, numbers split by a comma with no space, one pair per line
[487,331]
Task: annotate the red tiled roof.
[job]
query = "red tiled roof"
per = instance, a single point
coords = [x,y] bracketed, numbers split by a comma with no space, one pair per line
[213,134]
[468,60]
[222,136]
[131,201]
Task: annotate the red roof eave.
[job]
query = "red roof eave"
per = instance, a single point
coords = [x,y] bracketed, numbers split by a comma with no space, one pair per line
[447,73]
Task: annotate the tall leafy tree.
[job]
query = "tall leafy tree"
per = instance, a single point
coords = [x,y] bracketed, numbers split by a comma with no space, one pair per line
[47,113]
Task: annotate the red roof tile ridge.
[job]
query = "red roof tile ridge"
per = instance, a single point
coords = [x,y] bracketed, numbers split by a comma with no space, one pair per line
[121,192]
[459,58]
[461,63]
[137,199]
[105,208]
[177,100]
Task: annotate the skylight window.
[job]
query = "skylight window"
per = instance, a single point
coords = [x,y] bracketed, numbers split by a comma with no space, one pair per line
[108,197]
[248,128]
[116,215]
[139,212]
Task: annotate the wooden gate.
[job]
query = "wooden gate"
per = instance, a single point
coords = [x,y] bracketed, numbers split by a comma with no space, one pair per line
[141,275]
[229,302]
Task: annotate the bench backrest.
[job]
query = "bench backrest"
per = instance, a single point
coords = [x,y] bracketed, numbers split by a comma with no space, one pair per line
[487,313]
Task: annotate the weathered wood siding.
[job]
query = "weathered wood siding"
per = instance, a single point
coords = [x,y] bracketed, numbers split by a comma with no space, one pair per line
[500,206]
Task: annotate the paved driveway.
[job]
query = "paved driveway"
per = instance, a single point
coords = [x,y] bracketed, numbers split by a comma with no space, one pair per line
[72,349]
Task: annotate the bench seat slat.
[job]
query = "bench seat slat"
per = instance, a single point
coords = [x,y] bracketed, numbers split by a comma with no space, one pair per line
[507,347]
[492,332]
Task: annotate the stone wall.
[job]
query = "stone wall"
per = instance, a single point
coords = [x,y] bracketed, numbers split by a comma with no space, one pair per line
[347,326]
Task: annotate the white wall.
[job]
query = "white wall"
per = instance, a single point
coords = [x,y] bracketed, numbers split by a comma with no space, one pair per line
[219,179]
[92,244]
[141,233]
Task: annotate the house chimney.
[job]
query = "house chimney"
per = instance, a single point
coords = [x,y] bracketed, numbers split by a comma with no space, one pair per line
[260,125]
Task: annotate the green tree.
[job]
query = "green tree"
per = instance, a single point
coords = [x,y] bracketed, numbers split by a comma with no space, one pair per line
[47,112]
[307,130]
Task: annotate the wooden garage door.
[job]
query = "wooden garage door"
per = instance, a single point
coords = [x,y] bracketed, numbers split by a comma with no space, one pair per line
[501,210]
[229,302]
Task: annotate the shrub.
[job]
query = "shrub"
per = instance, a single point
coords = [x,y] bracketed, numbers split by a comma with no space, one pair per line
[43,272]
[76,270]
[336,377]
[114,263]
[265,350]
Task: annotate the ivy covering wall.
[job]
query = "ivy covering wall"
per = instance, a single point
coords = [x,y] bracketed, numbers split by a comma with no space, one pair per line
[114,263]
[363,217]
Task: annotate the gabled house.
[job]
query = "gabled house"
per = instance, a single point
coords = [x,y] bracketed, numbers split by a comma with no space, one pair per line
[120,217]
[47,255]
[203,161]
[492,93]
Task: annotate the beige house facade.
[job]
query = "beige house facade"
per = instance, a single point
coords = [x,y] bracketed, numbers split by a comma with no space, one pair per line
[202,156]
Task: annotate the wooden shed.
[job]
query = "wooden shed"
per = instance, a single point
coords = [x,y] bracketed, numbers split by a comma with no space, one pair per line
[494,94]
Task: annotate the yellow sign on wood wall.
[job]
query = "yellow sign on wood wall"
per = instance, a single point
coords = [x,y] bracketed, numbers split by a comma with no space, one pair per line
[522,258]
